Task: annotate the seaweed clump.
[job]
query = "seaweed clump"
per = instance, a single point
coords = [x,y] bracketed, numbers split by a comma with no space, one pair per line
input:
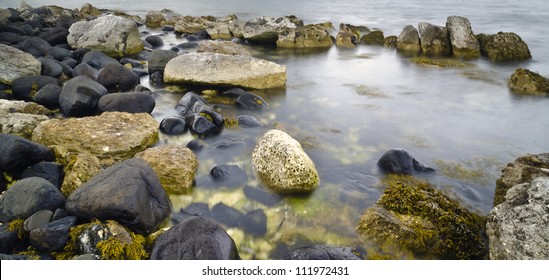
[415,217]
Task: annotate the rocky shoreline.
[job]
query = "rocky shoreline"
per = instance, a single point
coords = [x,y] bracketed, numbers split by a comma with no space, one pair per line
[83,175]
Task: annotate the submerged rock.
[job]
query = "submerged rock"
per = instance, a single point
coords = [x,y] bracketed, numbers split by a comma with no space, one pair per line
[464,43]
[408,40]
[215,69]
[434,40]
[281,164]
[112,35]
[398,161]
[15,63]
[200,117]
[414,216]
[518,229]
[503,46]
[111,136]
[323,252]
[525,81]
[173,126]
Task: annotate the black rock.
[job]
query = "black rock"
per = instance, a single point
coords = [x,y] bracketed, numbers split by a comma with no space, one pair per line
[35,46]
[168,28]
[248,121]
[173,126]
[187,45]
[71,62]
[37,220]
[156,78]
[128,192]
[200,35]
[98,60]
[261,195]
[116,77]
[24,86]
[249,101]
[80,95]
[59,54]
[52,236]
[255,222]
[8,257]
[132,102]
[196,238]
[84,69]
[201,125]
[28,196]
[59,214]
[15,29]
[186,104]
[226,215]
[199,115]
[234,92]
[55,36]
[3,183]
[398,161]
[80,53]
[230,176]
[51,171]
[159,59]
[11,14]
[194,209]
[155,41]
[324,252]
[48,96]
[5,95]
[50,67]
[133,62]
[17,153]
[8,239]
[230,143]
[147,45]
[12,38]
[196,145]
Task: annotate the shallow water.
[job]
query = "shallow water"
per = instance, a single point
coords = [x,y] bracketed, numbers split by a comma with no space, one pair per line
[348,106]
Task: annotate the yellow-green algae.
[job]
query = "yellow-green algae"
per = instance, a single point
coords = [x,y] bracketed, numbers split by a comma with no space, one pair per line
[414,216]
[17,225]
[440,62]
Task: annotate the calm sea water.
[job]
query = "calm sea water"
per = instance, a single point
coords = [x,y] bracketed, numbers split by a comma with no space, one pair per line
[348,106]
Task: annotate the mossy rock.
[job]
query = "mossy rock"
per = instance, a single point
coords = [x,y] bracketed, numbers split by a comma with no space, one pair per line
[373,38]
[503,46]
[524,81]
[413,216]
[439,62]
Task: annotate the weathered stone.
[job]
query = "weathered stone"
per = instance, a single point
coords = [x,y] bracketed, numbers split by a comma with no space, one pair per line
[349,35]
[89,10]
[308,36]
[281,164]
[50,67]
[323,252]
[518,229]
[78,168]
[504,46]
[174,165]
[464,43]
[252,102]
[390,42]
[189,24]
[524,81]
[15,64]
[116,77]
[375,37]
[154,19]
[266,29]
[434,40]
[97,59]
[196,238]
[112,35]
[28,196]
[48,96]
[20,124]
[128,192]
[248,121]
[222,47]
[111,137]
[398,161]
[225,70]
[522,170]
[17,153]
[218,30]
[408,40]
[416,219]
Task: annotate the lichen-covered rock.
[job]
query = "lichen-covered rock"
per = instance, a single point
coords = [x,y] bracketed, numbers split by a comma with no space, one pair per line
[522,170]
[413,216]
[464,43]
[524,81]
[15,63]
[267,29]
[218,30]
[408,40]
[155,19]
[112,35]
[349,35]
[434,39]
[518,229]
[214,69]
[89,10]
[111,136]
[189,24]
[390,42]
[174,165]
[375,37]
[308,36]
[504,46]
[281,164]
[21,124]
[78,168]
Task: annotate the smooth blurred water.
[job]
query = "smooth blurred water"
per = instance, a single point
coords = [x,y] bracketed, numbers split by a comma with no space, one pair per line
[348,106]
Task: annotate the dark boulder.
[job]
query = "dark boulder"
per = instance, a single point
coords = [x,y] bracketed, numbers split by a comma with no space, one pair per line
[35,46]
[156,78]
[27,86]
[84,69]
[233,92]
[196,145]
[398,161]
[132,102]
[50,67]
[27,196]
[8,239]
[116,77]
[173,126]
[201,124]
[196,238]
[51,171]
[55,36]
[503,46]
[249,101]
[324,252]
[226,215]
[17,153]
[98,60]
[155,41]
[59,214]
[80,95]
[263,196]
[168,28]
[128,192]
[230,176]
[133,62]
[194,209]
[159,59]
[52,236]
[255,222]
[200,116]
[59,54]
[248,121]
[11,38]
[48,96]
[37,220]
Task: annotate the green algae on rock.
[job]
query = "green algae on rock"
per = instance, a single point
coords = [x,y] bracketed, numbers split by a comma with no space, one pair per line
[414,216]
[524,81]
[440,62]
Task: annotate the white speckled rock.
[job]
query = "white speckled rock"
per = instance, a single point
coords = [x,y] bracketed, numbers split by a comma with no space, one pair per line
[281,164]
[15,63]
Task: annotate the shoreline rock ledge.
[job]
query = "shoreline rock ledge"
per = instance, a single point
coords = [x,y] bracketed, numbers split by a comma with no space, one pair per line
[214,69]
